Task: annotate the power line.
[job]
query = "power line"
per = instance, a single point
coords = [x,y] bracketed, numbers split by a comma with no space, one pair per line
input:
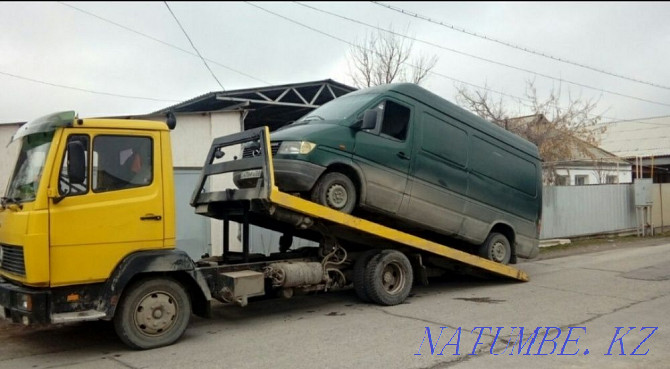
[408,64]
[194,48]
[485,59]
[519,99]
[85,90]
[162,42]
[530,51]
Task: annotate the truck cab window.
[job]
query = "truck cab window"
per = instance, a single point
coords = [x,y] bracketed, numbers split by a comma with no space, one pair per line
[396,120]
[69,186]
[122,162]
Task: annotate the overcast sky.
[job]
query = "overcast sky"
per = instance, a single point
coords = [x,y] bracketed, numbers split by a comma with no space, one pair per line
[132,49]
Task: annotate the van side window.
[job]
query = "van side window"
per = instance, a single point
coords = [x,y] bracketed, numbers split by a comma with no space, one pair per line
[396,120]
[121,162]
[66,186]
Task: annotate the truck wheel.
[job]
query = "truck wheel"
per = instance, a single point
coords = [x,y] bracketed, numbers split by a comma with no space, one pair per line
[336,191]
[388,278]
[153,313]
[496,248]
[359,274]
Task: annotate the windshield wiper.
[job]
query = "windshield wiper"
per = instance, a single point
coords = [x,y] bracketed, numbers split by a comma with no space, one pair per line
[306,119]
[4,201]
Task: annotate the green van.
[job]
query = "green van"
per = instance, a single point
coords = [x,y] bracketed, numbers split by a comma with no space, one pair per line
[406,155]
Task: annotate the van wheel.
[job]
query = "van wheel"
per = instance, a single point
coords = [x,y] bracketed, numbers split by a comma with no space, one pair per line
[388,278]
[153,313]
[359,274]
[496,248]
[336,191]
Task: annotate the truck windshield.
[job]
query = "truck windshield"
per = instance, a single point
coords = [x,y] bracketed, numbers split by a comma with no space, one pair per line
[28,170]
[338,109]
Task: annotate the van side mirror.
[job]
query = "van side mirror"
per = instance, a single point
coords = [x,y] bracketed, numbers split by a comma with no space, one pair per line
[76,166]
[370,119]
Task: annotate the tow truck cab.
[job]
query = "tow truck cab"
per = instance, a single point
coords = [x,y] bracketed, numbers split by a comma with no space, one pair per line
[84,195]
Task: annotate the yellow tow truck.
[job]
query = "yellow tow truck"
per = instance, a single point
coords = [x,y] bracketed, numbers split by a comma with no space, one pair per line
[87,232]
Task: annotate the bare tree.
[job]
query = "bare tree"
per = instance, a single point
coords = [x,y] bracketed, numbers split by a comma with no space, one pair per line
[559,129]
[384,57]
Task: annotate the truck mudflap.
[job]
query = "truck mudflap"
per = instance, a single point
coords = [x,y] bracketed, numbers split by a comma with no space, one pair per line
[23,304]
[266,206]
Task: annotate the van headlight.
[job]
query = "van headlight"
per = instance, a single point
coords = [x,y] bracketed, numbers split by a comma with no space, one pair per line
[296,147]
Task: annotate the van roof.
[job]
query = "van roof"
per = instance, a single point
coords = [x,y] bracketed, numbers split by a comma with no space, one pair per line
[420,94]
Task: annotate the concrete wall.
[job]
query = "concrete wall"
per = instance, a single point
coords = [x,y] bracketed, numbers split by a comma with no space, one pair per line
[7,154]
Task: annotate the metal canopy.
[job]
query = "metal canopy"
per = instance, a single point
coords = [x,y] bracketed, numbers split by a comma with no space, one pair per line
[273,106]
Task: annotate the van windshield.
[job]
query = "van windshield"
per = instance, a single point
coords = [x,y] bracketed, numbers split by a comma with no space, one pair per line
[338,109]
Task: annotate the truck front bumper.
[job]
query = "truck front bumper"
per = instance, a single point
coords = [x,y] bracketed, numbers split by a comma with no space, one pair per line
[22,304]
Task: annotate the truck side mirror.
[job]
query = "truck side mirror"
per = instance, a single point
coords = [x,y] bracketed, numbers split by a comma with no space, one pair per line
[370,119]
[76,166]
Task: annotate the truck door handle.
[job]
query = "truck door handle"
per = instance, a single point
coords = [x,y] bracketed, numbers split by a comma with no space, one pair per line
[151,217]
[402,155]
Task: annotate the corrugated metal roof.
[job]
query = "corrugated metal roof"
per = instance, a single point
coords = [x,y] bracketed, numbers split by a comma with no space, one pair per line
[639,137]
[273,106]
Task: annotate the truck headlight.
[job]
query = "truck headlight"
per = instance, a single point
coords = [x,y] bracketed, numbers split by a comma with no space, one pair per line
[26,302]
[296,147]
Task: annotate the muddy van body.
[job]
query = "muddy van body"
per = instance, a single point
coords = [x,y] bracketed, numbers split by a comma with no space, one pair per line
[408,155]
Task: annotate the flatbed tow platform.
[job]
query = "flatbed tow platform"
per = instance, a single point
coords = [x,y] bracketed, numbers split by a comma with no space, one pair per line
[348,243]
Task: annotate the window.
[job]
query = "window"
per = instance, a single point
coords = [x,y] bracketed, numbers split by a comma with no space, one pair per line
[121,162]
[67,184]
[612,179]
[396,120]
[581,180]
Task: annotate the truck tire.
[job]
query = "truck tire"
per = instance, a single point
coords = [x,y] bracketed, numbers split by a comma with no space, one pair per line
[153,313]
[336,191]
[388,278]
[359,274]
[496,248]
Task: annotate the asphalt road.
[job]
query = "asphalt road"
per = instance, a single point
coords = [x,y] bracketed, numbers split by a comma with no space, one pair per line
[585,297]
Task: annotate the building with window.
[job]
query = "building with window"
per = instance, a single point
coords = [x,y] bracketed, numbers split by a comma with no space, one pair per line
[644,142]
[581,164]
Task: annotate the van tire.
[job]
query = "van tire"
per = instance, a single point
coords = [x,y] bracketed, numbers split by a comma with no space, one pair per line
[336,191]
[161,301]
[360,266]
[496,248]
[388,278]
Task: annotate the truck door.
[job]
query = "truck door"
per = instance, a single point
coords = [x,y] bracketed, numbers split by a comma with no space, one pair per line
[116,209]
[384,156]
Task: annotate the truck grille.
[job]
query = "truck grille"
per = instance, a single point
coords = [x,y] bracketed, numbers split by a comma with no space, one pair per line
[248,152]
[12,260]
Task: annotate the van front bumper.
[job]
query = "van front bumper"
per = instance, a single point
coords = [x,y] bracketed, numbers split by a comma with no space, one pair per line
[23,305]
[290,175]
[296,175]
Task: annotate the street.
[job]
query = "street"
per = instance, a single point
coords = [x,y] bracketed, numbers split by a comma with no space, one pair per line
[591,300]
